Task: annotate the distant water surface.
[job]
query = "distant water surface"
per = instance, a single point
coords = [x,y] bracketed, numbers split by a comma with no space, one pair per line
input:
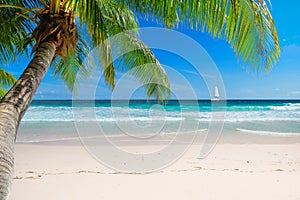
[55,120]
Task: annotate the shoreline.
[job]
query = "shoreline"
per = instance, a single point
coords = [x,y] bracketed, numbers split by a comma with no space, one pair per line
[193,139]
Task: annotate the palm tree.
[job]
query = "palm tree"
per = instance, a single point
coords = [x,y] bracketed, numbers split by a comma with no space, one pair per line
[54,29]
[6,80]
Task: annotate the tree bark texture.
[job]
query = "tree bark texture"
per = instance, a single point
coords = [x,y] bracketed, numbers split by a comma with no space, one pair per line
[13,107]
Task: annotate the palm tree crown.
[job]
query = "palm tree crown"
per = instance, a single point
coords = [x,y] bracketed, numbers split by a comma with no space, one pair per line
[37,21]
[246,25]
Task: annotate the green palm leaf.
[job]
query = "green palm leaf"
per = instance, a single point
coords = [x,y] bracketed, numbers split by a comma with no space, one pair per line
[114,18]
[74,68]
[6,79]
[138,60]
[2,93]
[246,25]
[14,32]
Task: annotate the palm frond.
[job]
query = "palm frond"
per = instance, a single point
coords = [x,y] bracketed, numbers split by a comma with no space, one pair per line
[74,68]
[165,11]
[14,33]
[2,92]
[91,15]
[138,60]
[246,25]
[106,18]
[6,79]
[31,4]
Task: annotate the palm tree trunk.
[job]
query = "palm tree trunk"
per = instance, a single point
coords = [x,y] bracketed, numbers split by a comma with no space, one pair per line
[14,105]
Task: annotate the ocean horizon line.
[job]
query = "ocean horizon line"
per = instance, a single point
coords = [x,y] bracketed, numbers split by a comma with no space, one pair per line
[152,100]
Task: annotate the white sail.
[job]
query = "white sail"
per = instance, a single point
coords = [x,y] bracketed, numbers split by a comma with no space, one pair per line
[217,96]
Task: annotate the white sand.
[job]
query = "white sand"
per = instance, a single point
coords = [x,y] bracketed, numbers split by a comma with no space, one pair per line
[231,171]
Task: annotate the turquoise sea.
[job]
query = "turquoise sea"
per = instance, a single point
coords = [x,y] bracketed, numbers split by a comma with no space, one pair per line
[56,120]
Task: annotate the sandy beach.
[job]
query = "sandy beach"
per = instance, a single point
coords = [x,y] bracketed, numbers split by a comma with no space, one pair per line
[262,170]
[149,100]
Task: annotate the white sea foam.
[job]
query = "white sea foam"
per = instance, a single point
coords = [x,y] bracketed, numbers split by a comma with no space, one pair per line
[46,140]
[248,116]
[184,132]
[286,107]
[283,118]
[120,119]
[283,112]
[261,132]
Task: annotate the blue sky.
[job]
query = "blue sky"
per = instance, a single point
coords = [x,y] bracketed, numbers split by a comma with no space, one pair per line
[239,82]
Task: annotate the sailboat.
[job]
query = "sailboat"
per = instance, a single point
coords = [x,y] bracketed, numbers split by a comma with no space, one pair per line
[217,96]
